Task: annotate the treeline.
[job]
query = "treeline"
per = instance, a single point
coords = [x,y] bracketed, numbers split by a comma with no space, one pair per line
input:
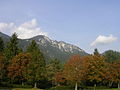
[29,68]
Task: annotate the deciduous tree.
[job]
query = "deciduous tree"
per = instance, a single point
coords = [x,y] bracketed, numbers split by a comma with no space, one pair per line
[2,66]
[96,66]
[75,69]
[19,67]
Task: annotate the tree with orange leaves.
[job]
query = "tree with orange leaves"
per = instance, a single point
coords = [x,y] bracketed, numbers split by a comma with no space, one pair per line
[112,73]
[75,69]
[59,78]
[96,68]
[18,69]
[116,67]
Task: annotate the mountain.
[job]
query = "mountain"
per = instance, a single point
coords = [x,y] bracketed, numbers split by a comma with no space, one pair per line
[50,48]
[4,37]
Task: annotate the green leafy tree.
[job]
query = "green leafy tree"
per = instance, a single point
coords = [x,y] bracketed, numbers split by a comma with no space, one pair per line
[37,68]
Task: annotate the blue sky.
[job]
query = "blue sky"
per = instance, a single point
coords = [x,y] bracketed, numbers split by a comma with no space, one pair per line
[78,22]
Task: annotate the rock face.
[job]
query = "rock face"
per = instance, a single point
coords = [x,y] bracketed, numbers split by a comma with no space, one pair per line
[50,48]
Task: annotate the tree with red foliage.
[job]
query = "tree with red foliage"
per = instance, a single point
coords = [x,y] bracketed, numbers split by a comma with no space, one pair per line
[59,78]
[18,69]
[2,66]
[75,69]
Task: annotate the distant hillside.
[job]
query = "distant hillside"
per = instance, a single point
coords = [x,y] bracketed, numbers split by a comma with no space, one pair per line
[111,56]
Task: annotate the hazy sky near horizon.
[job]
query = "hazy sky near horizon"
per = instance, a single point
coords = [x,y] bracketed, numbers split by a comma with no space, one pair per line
[88,24]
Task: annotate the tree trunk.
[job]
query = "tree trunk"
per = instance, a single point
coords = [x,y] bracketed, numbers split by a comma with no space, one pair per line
[35,85]
[110,84]
[94,86]
[76,86]
[118,84]
[22,83]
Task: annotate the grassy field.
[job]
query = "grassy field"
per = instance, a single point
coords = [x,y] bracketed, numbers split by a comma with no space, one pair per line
[26,89]
[51,89]
[55,89]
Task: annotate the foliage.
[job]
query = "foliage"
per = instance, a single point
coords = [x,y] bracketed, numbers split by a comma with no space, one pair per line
[1,45]
[59,78]
[2,66]
[12,47]
[18,68]
[30,67]
[96,66]
[96,52]
[75,69]
[37,67]
[112,56]
[52,68]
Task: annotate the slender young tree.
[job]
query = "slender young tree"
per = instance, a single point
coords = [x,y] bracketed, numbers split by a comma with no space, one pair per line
[37,68]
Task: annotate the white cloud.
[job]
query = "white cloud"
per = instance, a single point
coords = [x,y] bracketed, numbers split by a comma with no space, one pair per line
[103,40]
[26,30]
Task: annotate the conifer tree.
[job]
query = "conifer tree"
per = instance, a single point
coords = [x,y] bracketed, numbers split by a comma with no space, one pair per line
[37,68]
[96,52]
[12,47]
[53,68]
[1,45]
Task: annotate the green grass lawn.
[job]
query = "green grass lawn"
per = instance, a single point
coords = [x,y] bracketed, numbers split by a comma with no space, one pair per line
[52,89]
[25,89]
[108,89]
[56,89]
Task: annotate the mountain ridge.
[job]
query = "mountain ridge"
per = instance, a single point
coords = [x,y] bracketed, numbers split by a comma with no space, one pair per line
[50,48]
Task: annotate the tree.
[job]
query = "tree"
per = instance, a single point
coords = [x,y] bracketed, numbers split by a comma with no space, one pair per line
[37,68]
[116,67]
[112,56]
[19,67]
[2,66]
[2,60]
[12,47]
[96,52]
[1,45]
[59,78]
[75,70]
[53,67]
[110,74]
[96,66]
